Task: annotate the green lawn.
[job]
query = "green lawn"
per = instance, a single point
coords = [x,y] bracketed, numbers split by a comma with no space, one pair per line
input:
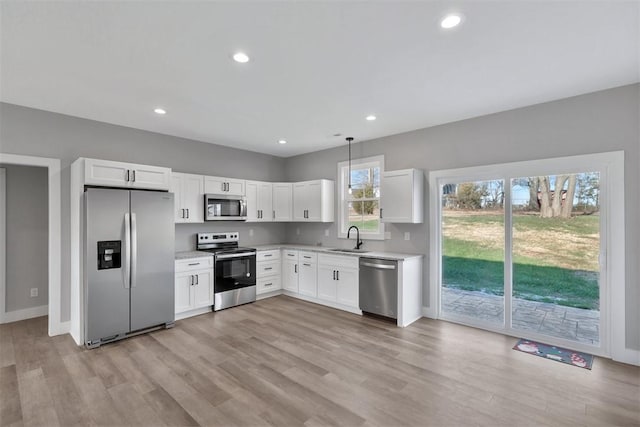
[555,260]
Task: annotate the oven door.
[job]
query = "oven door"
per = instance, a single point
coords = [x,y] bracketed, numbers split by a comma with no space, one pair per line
[225,208]
[234,271]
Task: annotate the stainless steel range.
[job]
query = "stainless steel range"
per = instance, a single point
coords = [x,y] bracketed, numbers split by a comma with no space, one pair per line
[234,269]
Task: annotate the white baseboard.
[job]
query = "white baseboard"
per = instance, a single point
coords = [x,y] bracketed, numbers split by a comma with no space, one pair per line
[196,312]
[26,313]
[59,329]
[429,312]
[269,294]
[631,357]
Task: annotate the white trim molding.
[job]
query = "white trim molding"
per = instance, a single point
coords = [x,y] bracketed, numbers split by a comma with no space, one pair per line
[3,242]
[25,313]
[56,326]
[612,227]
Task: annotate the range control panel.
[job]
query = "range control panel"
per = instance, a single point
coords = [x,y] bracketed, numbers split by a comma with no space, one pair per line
[204,238]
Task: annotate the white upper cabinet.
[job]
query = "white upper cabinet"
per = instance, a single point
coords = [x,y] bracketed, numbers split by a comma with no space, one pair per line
[259,201]
[402,196]
[189,197]
[129,175]
[224,186]
[313,201]
[282,201]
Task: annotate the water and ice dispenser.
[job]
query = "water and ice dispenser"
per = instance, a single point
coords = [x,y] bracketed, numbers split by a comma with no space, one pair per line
[109,254]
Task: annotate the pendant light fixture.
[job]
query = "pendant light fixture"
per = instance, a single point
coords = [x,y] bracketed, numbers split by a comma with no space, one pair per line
[349,139]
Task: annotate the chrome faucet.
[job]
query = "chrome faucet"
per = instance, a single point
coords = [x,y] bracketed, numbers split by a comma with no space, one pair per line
[358,241]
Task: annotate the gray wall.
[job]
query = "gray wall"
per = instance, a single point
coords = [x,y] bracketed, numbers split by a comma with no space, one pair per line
[592,123]
[27,236]
[40,133]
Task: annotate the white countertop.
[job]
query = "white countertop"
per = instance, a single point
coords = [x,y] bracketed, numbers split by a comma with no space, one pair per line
[191,255]
[321,249]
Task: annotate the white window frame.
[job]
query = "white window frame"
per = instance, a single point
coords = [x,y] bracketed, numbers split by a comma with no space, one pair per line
[612,240]
[343,192]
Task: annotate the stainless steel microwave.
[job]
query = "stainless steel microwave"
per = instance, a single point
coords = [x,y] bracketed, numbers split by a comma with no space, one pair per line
[225,208]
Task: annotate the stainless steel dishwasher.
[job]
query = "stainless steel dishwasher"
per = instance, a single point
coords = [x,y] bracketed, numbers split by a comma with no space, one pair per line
[379,287]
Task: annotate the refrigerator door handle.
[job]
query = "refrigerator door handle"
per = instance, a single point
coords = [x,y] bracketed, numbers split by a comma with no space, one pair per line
[126,271]
[134,249]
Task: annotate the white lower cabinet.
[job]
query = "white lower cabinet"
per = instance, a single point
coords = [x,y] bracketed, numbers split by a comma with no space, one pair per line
[193,286]
[290,270]
[307,274]
[268,271]
[338,280]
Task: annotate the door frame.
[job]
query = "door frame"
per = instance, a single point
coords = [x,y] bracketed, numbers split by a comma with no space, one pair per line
[56,325]
[612,241]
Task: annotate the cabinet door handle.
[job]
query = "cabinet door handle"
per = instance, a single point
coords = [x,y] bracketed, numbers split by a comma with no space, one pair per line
[268,268]
[306,256]
[126,176]
[308,265]
[295,268]
[290,255]
[195,263]
[380,212]
[222,186]
[274,214]
[334,275]
[268,255]
[197,279]
[191,280]
[133,175]
[187,213]
[268,284]
[182,213]
[337,274]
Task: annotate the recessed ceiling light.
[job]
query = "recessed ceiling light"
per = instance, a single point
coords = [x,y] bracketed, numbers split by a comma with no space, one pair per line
[241,57]
[371,117]
[450,21]
[160,111]
[282,141]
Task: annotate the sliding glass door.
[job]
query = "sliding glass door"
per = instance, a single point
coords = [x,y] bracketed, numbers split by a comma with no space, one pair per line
[520,252]
[555,255]
[473,250]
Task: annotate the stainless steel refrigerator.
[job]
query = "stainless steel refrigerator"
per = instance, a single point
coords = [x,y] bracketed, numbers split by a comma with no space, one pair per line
[128,263]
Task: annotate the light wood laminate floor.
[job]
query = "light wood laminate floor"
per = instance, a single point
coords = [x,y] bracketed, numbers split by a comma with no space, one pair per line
[284,362]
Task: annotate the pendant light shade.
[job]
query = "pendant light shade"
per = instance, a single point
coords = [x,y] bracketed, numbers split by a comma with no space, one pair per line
[349,139]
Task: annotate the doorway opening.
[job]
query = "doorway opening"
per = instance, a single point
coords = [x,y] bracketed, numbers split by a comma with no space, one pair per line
[56,326]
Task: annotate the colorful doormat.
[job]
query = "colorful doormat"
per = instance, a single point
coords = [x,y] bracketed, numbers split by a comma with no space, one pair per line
[559,354]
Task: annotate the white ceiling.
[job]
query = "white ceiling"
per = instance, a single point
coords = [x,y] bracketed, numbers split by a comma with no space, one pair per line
[316,69]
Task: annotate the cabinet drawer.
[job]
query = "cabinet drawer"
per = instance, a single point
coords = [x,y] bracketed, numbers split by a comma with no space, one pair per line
[268,284]
[270,255]
[266,268]
[289,254]
[344,261]
[194,264]
[308,257]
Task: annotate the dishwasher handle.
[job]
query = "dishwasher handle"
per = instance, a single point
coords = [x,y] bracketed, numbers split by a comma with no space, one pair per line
[381,266]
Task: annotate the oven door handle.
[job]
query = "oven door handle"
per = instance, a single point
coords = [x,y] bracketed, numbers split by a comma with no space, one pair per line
[238,255]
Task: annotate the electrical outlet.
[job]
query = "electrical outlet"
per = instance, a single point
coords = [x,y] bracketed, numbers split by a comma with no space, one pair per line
[407,236]
[297,231]
[326,232]
[251,232]
[34,292]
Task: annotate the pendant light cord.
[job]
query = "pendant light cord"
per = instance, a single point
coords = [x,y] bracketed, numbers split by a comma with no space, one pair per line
[349,139]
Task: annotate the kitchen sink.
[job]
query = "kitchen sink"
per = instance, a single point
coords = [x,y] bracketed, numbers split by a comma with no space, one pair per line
[351,251]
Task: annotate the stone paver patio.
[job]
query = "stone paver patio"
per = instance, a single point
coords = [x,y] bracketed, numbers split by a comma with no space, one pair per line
[570,323]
